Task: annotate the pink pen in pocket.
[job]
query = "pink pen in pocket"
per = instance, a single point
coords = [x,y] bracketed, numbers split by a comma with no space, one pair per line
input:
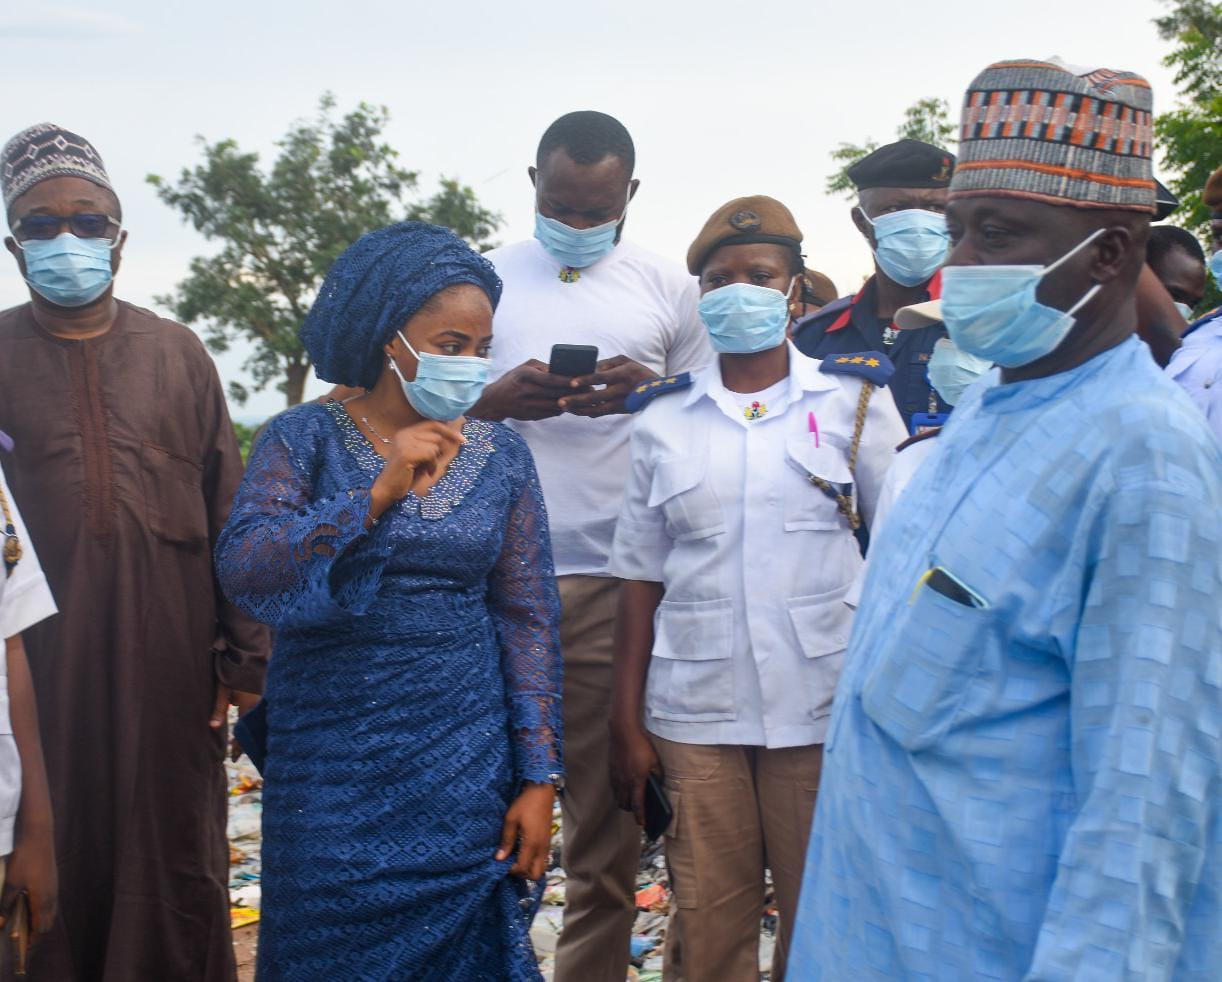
[813,426]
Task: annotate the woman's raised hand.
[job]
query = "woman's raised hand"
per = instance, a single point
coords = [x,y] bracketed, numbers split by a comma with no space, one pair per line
[413,449]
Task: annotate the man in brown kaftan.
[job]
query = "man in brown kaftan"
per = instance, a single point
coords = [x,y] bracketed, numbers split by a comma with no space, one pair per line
[124,465]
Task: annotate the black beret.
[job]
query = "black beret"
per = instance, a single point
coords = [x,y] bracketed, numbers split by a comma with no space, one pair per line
[757,218]
[904,164]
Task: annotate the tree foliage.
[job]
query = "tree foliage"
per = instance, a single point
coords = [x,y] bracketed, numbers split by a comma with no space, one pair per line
[1190,134]
[927,120]
[279,230]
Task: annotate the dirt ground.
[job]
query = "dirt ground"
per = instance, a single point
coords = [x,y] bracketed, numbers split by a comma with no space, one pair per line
[244,941]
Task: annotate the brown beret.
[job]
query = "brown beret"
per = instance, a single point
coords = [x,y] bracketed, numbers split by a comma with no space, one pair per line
[818,287]
[1212,195]
[756,218]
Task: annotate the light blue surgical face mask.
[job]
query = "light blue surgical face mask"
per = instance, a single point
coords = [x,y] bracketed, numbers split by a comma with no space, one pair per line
[743,318]
[991,311]
[1184,309]
[577,247]
[952,370]
[910,245]
[1215,266]
[67,270]
[445,386]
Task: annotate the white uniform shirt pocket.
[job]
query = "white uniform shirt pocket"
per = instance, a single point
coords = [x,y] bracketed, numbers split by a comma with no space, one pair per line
[691,506]
[822,623]
[691,674]
[808,507]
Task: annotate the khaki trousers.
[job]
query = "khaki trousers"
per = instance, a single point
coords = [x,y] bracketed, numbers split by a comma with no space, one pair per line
[602,845]
[737,811]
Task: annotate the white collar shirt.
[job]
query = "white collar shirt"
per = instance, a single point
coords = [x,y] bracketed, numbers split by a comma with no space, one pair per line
[755,561]
[25,599]
[1197,367]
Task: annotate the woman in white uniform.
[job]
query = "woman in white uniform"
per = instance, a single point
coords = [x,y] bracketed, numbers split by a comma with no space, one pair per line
[736,546]
[27,854]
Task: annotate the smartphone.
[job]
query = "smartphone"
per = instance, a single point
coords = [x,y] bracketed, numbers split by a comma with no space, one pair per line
[573,359]
[941,581]
[658,811]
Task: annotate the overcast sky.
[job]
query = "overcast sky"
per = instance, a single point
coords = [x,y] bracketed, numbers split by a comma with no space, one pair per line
[722,99]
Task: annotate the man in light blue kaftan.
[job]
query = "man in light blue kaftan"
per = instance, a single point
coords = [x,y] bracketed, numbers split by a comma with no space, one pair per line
[1022,775]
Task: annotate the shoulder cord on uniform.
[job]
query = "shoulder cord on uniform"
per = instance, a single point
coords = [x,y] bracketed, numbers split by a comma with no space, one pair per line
[843,501]
[12,545]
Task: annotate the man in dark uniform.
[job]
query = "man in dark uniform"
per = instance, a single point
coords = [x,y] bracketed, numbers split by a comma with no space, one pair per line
[901,205]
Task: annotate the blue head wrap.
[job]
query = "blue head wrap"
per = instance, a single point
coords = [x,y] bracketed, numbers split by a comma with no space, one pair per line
[376,284]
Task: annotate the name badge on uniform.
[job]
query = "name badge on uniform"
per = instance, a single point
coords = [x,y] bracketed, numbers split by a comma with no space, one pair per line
[924,422]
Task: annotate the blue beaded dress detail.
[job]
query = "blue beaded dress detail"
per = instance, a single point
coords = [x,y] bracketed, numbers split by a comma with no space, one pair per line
[415,684]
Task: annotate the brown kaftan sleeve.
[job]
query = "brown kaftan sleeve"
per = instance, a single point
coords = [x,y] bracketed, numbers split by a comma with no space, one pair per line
[243,646]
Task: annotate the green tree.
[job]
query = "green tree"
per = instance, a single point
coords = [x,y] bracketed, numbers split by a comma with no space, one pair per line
[927,120]
[280,230]
[1189,135]
[245,435]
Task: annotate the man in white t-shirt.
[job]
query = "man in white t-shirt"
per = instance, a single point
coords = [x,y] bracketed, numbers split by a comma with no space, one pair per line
[27,851]
[578,282]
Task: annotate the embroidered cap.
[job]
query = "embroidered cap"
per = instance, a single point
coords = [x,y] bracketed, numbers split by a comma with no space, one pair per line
[44,151]
[1049,132]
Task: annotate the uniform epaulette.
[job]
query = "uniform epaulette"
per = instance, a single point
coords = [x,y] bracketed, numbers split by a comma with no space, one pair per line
[646,392]
[873,366]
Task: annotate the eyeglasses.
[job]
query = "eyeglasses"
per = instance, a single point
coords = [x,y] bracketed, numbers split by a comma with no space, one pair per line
[85,226]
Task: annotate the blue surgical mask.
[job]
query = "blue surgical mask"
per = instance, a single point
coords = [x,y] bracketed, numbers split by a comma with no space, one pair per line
[1184,309]
[577,247]
[910,245]
[742,318]
[951,370]
[991,311]
[1215,266]
[445,386]
[67,270]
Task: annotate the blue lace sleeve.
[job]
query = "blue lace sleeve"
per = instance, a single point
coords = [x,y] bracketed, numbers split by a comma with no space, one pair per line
[289,559]
[525,606]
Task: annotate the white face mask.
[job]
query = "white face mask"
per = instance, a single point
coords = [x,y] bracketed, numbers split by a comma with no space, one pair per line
[991,311]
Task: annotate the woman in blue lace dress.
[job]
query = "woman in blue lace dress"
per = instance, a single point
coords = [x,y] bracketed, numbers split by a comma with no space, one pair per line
[413,702]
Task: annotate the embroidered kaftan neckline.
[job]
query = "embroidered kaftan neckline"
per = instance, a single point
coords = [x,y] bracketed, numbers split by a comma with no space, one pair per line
[458,480]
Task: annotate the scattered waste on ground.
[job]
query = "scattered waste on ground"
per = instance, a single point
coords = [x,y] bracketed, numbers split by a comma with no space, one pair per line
[653,898]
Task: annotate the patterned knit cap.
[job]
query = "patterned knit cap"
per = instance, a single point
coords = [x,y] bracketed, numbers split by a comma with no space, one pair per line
[1049,132]
[44,151]
[375,286]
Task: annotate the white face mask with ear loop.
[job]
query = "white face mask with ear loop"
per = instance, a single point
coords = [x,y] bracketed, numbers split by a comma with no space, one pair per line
[991,311]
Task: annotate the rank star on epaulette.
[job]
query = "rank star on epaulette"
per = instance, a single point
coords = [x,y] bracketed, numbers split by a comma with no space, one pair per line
[646,392]
[873,366]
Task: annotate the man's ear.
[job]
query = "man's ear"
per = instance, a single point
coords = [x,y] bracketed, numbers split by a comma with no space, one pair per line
[532,173]
[1112,253]
[11,245]
[632,187]
[116,254]
[864,227]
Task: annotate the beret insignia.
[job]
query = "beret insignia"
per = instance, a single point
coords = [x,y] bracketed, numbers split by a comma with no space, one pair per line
[644,393]
[745,221]
[873,366]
